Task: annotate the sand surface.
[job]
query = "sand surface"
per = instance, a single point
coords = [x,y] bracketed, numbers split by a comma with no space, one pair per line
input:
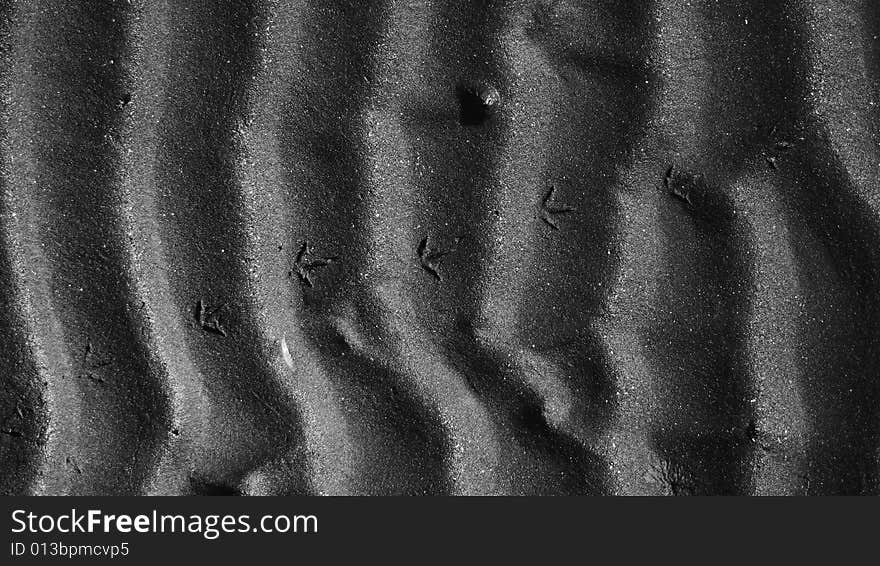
[439,247]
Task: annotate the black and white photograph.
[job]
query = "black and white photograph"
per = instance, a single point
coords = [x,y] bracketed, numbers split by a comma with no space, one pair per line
[479,248]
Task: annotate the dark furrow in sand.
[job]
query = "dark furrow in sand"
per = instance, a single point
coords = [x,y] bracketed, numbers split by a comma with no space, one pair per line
[447,120]
[832,240]
[553,239]
[397,229]
[596,54]
[836,208]
[779,431]
[396,438]
[749,144]
[698,343]
[701,431]
[871,42]
[145,68]
[468,121]
[638,298]
[23,415]
[205,240]
[682,380]
[444,119]
[64,202]
[31,298]
[331,457]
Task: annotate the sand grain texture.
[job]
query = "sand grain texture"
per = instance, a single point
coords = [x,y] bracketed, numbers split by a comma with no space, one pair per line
[425,247]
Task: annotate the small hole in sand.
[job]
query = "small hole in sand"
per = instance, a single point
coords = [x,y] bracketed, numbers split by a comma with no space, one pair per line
[477,103]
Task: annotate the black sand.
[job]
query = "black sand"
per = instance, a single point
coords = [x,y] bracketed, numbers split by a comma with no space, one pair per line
[385,247]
